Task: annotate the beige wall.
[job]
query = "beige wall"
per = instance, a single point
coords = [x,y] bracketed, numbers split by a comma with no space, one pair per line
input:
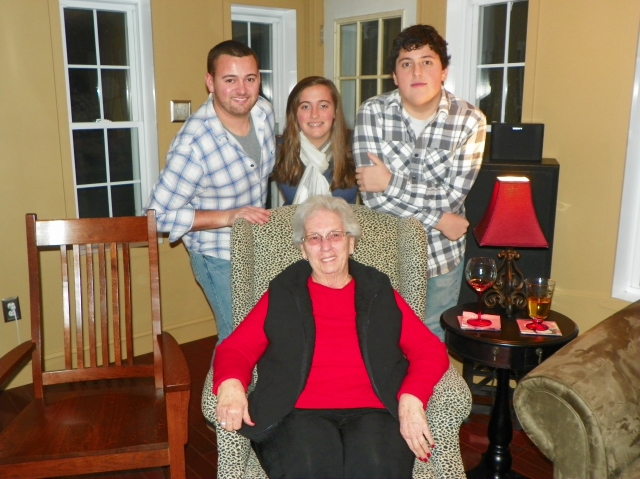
[579,75]
[579,80]
[434,13]
[34,140]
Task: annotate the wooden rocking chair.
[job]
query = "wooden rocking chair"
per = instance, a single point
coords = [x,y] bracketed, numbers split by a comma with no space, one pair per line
[137,417]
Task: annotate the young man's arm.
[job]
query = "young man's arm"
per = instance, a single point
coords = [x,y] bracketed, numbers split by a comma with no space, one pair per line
[174,189]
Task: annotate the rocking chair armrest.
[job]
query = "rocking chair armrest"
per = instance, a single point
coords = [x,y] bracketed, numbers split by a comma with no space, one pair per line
[14,358]
[174,364]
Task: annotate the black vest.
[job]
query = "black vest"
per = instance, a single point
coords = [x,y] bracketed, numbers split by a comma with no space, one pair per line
[284,367]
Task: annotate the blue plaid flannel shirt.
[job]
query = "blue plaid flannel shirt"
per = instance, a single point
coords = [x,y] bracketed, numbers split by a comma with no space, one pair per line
[207,169]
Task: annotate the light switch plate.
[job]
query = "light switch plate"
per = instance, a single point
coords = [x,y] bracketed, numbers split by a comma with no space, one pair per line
[180,110]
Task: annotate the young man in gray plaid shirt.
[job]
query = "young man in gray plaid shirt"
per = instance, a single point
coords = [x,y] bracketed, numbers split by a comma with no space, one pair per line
[418,150]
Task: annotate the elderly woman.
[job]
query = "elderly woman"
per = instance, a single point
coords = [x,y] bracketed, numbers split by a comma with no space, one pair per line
[345,367]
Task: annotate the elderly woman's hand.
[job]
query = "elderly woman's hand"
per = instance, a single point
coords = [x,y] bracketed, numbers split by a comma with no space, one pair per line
[414,427]
[233,407]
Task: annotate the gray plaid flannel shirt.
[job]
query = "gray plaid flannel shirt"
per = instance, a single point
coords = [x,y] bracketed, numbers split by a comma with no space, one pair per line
[431,174]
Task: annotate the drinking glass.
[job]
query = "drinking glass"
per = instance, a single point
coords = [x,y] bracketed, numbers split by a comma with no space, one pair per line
[539,295]
[480,273]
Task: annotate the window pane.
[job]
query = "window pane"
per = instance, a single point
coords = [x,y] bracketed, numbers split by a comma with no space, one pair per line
[391,28]
[115,95]
[388,85]
[368,89]
[83,92]
[518,32]
[348,45]
[261,44]
[88,153]
[492,37]
[123,200]
[266,85]
[240,32]
[489,92]
[348,92]
[112,38]
[80,37]
[123,144]
[515,86]
[93,202]
[369,58]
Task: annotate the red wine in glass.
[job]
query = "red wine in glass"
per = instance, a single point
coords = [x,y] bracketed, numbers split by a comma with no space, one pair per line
[480,273]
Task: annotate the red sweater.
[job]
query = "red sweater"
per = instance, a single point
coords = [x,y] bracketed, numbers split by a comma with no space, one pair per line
[338,378]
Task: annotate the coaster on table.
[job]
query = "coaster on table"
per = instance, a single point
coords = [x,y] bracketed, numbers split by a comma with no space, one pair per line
[466,316]
[553,330]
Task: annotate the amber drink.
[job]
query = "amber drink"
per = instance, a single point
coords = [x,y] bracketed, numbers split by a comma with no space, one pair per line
[539,295]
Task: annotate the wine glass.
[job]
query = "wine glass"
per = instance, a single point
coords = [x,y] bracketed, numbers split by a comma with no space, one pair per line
[480,273]
[539,295]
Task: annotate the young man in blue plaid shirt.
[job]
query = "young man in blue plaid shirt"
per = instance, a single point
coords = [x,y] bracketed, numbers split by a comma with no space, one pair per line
[216,172]
[418,150]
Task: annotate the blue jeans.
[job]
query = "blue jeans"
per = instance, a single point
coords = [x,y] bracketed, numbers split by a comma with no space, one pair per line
[214,276]
[442,294]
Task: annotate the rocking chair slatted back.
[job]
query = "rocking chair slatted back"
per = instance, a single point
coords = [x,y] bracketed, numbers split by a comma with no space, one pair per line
[96,284]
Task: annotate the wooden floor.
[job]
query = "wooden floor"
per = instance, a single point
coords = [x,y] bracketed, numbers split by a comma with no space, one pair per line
[201,451]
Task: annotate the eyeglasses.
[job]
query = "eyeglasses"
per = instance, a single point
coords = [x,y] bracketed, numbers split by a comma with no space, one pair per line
[314,239]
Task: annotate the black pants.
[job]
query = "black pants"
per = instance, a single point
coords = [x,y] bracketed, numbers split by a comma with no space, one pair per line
[336,443]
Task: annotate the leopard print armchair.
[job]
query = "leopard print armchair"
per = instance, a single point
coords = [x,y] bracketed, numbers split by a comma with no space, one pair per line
[396,247]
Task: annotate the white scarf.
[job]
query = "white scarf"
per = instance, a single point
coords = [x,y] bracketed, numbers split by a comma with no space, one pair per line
[316,163]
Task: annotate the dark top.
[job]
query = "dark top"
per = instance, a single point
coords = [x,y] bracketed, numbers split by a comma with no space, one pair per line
[349,194]
[284,367]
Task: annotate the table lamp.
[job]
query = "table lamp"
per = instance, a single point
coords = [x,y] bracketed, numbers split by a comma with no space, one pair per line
[510,222]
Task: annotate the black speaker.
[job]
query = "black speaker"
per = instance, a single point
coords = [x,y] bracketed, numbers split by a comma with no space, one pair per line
[516,142]
[544,186]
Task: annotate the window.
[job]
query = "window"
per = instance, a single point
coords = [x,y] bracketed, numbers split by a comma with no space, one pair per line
[487,41]
[271,33]
[626,277]
[110,103]
[500,66]
[362,47]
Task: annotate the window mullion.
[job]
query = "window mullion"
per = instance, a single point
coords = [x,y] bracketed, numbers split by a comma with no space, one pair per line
[505,74]
[380,69]
[98,65]
[358,60]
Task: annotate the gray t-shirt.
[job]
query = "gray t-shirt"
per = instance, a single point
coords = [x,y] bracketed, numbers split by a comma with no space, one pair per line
[250,143]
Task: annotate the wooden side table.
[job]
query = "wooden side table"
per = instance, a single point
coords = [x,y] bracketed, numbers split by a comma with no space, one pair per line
[506,350]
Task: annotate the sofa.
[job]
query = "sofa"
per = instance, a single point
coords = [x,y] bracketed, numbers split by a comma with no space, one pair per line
[581,407]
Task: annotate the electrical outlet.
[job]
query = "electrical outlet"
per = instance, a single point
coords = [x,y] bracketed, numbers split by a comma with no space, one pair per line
[11,309]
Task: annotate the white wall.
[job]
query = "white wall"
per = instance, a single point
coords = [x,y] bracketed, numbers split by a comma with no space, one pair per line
[337,9]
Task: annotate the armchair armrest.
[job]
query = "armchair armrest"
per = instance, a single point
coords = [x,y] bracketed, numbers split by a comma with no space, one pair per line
[233,449]
[14,358]
[174,364]
[581,406]
[449,405]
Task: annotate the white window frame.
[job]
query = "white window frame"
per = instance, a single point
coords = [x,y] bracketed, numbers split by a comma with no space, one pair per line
[143,106]
[339,78]
[285,65]
[626,276]
[463,27]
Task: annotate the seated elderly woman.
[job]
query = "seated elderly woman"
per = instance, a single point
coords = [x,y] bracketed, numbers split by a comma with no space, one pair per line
[345,367]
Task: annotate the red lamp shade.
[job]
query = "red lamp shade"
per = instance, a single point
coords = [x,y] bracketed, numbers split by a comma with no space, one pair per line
[510,220]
